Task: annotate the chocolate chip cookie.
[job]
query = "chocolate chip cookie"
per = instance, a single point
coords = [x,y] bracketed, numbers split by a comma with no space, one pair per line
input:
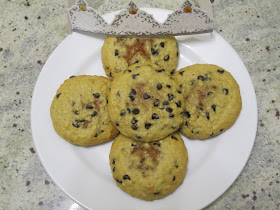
[119,53]
[212,100]
[79,111]
[145,103]
[149,171]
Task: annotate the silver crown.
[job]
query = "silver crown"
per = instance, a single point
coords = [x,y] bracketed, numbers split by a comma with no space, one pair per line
[188,19]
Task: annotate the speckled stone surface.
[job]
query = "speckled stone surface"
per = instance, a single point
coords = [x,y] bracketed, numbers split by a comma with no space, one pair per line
[31,29]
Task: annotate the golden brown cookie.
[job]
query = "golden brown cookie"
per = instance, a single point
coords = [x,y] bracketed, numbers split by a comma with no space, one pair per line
[79,111]
[149,171]
[212,100]
[145,103]
[119,53]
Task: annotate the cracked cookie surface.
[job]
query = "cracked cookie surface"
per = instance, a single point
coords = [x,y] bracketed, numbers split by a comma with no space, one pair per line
[119,53]
[79,111]
[145,103]
[212,100]
[149,171]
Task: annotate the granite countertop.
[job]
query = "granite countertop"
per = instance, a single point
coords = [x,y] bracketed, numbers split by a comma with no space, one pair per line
[31,29]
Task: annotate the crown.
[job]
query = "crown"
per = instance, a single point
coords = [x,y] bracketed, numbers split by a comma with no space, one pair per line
[132,21]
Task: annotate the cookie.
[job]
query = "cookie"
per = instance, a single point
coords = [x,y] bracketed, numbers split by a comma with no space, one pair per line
[119,53]
[212,100]
[145,103]
[79,111]
[149,171]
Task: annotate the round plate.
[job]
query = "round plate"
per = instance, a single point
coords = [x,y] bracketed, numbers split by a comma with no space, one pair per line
[84,173]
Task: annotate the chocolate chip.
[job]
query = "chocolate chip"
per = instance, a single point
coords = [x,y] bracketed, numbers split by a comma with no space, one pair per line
[113,161]
[126,177]
[187,114]
[221,130]
[156,193]
[168,109]
[178,104]
[118,94]
[96,95]
[132,98]
[154,51]
[116,52]
[147,125]
[134,76]
[134,126]
[162,44]
[136,62]
[207,116]
[94,114]
[146,96]
[177,54]
[156,102]
[171,116]
[186,123]
[134,145]
[173,137]
[221,71]
[170,96]
[71,76]
[225,91]
[174,177]
[128,110]
[135,111]
[117,124]
[165,103]
[160,70]
[75,124]
[110,74]
[57,96]
[119,181]
[182,72]
[132,92]
[168,86]
[200,78]
[127,71]
[155,116]
[172,72]
[133,120]
[166,58]
[114,169]
[88,106]
[159,86]
[214,107]
[209,93]
[75,112]
[123,112]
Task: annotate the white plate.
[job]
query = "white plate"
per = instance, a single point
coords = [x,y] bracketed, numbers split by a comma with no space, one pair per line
[84,173]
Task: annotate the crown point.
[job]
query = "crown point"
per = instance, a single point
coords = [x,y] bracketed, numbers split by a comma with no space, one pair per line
[187,3]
